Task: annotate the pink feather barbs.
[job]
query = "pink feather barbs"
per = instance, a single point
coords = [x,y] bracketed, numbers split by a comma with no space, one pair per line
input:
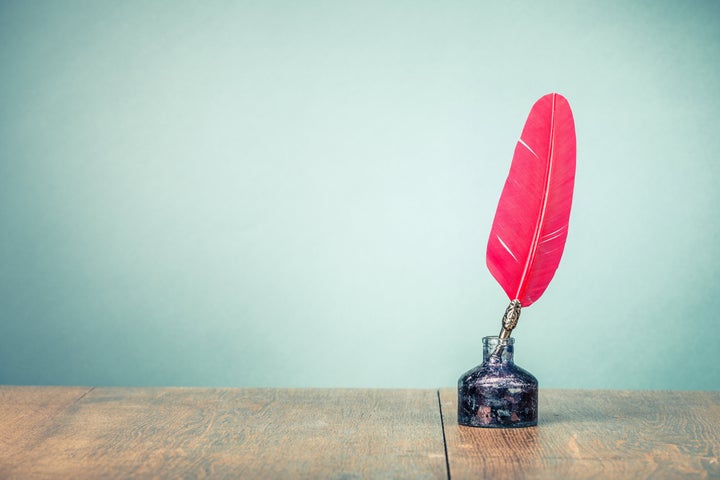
[531,221]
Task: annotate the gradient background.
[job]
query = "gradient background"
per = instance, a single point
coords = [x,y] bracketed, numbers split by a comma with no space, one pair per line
[300,193]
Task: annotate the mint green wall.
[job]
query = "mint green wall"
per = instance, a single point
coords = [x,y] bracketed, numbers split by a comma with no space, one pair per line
[300,193]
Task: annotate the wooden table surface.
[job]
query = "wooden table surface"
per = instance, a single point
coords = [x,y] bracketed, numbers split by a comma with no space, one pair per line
[82,432]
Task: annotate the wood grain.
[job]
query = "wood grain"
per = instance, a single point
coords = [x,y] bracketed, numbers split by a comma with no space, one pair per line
[239,433]
[28,415]
[68,432]
[594,434]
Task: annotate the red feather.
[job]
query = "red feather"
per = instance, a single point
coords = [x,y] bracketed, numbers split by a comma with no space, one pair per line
[531,222]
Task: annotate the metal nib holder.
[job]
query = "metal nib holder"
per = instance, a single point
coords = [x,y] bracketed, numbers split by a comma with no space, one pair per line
[509,322]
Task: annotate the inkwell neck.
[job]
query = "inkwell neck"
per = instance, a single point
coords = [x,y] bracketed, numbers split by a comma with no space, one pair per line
[497,350]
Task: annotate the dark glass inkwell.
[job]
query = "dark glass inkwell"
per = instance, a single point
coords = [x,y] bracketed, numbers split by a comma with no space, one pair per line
[498,393]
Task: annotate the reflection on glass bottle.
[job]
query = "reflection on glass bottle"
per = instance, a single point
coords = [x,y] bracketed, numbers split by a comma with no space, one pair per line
[497,393]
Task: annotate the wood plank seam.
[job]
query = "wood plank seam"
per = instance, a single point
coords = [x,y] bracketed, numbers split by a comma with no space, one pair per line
[442,426]
[81,396]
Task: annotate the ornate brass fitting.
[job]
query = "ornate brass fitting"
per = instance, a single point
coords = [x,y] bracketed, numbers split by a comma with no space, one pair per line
[509,321]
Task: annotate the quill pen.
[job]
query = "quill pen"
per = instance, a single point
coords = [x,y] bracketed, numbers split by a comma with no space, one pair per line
[531,221]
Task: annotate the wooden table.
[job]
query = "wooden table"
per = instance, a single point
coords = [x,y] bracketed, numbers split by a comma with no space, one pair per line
[79,432]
